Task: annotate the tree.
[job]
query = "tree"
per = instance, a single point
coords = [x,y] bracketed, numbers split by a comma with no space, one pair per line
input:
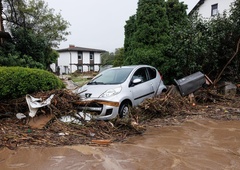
[130,29]
[234,17]
[209,44]
[152,35]
[176,12]
[35,29]
[217,45]
[119,57]
[235,21]
[36,16]
[115,59]
[107,58]
[177,53]
[161,34]
[146,34]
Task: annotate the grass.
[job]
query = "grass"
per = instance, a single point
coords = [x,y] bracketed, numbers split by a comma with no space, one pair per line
[79,80]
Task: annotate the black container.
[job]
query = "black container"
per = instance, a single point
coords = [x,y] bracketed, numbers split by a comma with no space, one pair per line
[190,83]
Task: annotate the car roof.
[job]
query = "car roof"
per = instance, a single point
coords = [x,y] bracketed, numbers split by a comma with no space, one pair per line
[131,66]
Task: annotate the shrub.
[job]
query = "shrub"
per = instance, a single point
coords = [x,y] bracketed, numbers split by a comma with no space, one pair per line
[19,81]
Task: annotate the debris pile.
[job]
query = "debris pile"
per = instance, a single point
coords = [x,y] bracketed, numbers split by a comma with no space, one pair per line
[171,108]
[47,129]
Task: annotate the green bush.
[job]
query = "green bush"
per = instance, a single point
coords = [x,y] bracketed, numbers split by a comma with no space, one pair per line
[18,81]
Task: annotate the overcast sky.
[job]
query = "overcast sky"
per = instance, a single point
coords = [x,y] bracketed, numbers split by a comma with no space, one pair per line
[97,23]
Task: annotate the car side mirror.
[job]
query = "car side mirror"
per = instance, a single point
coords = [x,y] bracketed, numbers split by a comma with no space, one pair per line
[137,81]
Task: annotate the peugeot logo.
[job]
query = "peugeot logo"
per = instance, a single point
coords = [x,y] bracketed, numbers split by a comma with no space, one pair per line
[87,95]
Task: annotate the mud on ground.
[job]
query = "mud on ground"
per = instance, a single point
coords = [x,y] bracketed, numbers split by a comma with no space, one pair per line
[168,109]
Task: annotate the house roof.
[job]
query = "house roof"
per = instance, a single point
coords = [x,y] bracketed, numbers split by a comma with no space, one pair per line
[200,2]
[83,49]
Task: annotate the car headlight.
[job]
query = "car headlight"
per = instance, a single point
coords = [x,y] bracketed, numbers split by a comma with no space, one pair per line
[111,92]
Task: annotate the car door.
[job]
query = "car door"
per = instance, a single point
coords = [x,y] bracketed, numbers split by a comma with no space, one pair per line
[143,89]
[154,80]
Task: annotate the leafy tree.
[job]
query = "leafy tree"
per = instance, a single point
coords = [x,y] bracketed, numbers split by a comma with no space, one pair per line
[161,34]
[107,58]
[177,57]
[115,59]
[35,29]
[28,43]
[207,45]
[230,42]
[36,16]
[234,17]
[146,34]
[216,42]
[152,35]
[130,29]
[119,57]
[176,12]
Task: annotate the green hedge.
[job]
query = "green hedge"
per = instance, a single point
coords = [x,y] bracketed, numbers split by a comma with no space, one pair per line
[18,81]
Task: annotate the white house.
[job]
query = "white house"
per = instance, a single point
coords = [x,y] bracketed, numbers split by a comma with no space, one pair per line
[74,58]
[210,8]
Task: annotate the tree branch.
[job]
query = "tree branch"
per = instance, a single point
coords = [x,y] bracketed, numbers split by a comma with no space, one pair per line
[234,55]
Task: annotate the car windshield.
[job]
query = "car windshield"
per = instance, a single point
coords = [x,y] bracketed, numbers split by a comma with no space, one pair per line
[112,76]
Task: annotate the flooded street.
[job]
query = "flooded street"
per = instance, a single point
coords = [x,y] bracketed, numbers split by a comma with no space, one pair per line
[195,144]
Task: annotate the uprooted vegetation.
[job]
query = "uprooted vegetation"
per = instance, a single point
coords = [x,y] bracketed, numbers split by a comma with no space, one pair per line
[168,109]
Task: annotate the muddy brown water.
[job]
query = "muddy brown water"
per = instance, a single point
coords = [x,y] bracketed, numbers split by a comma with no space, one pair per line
[195,144]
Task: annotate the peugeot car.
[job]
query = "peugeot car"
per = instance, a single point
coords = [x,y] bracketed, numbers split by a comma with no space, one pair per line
[112,92]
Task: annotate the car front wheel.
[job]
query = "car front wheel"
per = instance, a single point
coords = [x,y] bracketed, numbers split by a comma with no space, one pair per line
[124,109]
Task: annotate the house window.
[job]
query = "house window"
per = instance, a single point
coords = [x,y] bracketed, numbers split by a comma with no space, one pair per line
[214,10]
[91,55]
[79,55]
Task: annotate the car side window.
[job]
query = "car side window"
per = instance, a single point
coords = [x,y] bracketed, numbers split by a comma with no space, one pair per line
[152,73]
[140,74]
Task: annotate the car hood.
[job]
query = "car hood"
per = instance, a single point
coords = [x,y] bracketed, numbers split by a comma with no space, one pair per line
[94,91]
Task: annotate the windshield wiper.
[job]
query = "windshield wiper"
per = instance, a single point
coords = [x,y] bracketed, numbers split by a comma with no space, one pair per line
[95,82]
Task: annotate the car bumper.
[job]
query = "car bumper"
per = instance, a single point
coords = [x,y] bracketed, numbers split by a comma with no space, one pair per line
[99,109]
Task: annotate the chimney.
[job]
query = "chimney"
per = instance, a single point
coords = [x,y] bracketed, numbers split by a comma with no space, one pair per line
[71,46]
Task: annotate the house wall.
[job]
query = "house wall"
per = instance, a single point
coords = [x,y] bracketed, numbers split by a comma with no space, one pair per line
[65,58]
[86,60]
[205,8]
[97,60]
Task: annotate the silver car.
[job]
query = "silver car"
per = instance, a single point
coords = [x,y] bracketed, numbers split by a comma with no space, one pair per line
[113,91]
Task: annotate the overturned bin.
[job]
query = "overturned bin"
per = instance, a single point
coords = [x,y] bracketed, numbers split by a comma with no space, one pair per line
[190,83]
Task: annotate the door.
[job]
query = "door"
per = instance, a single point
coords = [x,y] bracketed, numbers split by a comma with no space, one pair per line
[143,89]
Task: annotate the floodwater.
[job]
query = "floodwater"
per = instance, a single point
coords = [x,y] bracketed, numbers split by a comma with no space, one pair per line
[195,144]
